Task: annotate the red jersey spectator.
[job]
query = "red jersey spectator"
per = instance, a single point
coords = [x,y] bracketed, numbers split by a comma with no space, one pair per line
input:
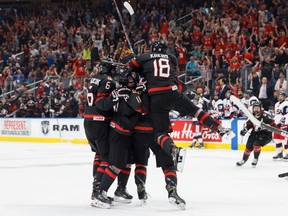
[79,67]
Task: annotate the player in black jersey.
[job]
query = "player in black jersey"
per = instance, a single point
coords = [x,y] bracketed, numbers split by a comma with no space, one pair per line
[128,110]
[97,116]
[143,139]
[158,68]
[258,137]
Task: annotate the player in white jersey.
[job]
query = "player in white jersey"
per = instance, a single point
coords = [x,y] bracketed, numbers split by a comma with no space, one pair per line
[217,107]
[249,99]
[229,108]
[197,132]
[281,121]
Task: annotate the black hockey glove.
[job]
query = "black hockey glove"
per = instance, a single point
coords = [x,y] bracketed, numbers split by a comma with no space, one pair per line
[222,131]
[243,132]
[123,92]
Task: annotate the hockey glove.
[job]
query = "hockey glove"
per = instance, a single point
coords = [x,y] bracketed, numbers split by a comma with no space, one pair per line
[123,92]
[243,132]
[223,131]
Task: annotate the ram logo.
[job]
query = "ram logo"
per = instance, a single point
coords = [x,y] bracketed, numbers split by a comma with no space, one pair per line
[66,128]
[45,127]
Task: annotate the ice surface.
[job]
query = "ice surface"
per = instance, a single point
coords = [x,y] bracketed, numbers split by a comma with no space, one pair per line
[56,179]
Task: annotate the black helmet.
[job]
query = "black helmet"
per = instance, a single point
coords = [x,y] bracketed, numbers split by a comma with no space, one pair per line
[249,93]
[122,80]
[105,67]
[159,46]
[257,108]
[122,70]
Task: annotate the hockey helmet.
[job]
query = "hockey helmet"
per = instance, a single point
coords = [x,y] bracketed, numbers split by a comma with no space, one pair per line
[228,94]
[249,93]
[281,96]
[257,108]
[159,46]
[121,80]
[105,67]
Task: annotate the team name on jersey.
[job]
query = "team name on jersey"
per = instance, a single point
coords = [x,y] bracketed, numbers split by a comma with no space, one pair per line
[95,81]
[158,56]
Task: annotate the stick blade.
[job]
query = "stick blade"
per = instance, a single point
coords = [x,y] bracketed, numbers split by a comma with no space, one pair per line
[129,8]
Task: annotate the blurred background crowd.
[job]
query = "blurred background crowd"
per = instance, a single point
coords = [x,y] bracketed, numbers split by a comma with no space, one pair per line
[48,52]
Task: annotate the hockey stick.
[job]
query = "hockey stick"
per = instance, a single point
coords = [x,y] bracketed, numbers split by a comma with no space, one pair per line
[255,121]
[282,175]
[131,12]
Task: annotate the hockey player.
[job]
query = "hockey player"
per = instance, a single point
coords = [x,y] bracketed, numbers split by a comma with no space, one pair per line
[281,109]
[248,100]
[97,116]
[197,132]
[128,109]
[143,139]
[217,107]
[158,68]
[229,108]
[258,137]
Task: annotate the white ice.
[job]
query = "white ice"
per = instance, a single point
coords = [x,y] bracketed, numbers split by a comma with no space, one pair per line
[56,180]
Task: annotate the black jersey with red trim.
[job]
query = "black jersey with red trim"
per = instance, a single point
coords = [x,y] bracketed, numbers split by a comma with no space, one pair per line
[158,69]
[127,113]
[257,130]
[99,104]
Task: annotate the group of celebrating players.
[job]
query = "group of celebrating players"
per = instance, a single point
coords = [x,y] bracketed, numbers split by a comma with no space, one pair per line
[127,114]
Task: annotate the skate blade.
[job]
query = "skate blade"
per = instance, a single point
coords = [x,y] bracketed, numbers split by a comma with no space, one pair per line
[99,204]
[122,200]
[277,159]
[181,159]
[143,202]
[181,206]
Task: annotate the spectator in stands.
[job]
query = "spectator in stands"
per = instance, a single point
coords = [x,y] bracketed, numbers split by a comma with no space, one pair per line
[265,93]
[192,68]
[281,84]
[223,88]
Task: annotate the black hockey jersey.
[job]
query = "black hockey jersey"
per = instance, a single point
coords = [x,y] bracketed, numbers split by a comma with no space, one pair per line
[99,106]
[158,69]
[256,129]
[127,114]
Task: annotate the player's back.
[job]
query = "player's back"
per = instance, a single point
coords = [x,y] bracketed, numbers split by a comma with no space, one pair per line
[158,69]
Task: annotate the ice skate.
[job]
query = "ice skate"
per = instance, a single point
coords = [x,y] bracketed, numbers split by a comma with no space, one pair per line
[142,194]
[174,198]
[254,162]
[285,158]
[240,163]
[121,195]
[200,146]
[101,200]
[279,156]
[192,144]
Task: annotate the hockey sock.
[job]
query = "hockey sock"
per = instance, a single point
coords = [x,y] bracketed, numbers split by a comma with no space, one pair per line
[165,142]
[286,148]
[123,176]
[101,170]
[140,174]
[170,177]
[108,178]
[257,151]
[206,119]
[246,154]
[279,147]
[96,163]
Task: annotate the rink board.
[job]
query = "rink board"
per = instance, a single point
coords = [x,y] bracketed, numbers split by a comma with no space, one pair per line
[53,130]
